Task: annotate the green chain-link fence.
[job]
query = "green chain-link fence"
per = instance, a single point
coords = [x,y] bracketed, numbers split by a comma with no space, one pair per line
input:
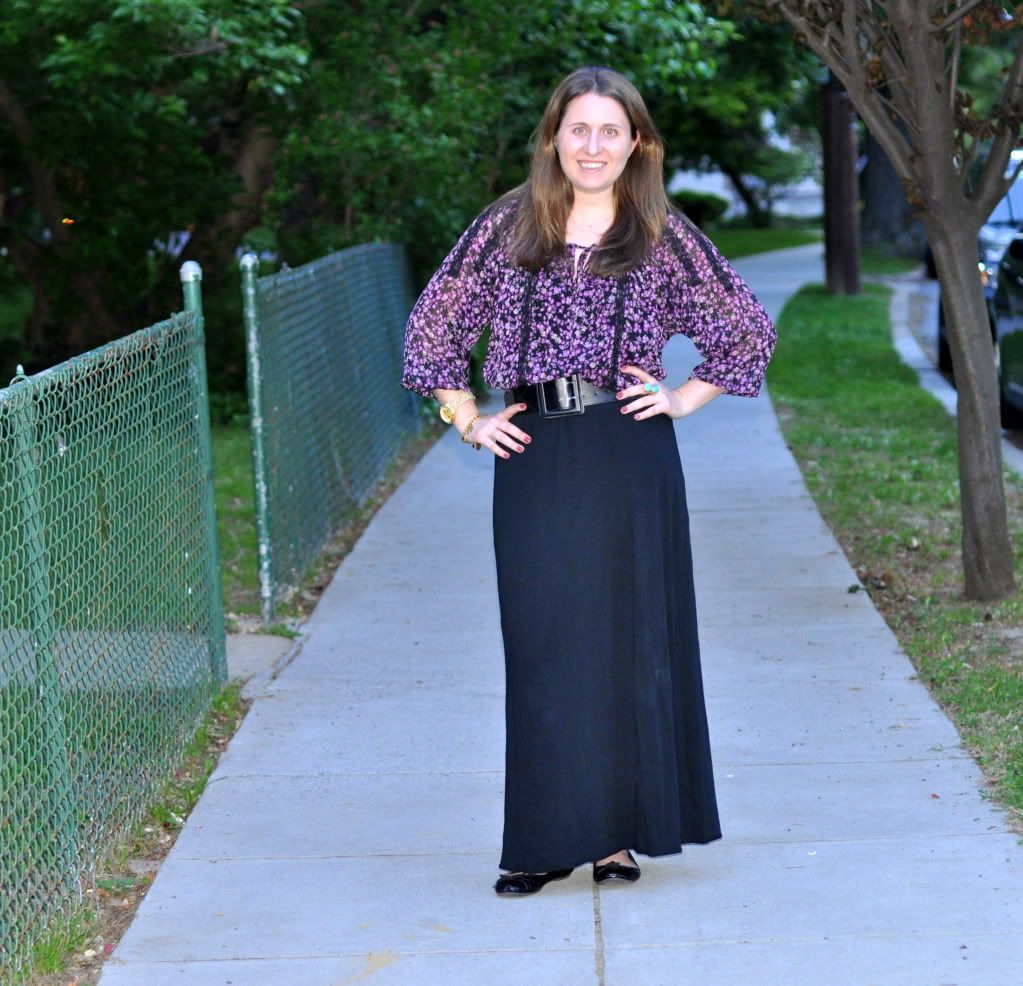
[327,412]
[111,628]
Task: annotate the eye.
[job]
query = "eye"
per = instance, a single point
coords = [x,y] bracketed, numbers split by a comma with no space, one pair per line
[612,131]
[576,130]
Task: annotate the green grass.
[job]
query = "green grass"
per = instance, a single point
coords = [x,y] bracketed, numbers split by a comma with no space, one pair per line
[236,519]
[877,260]
[236,525]
[735,243]
[62,943]
[879,456]
[65,936]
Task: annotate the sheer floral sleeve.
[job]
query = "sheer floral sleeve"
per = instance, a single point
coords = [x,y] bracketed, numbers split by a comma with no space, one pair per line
[715,308]
[452,312]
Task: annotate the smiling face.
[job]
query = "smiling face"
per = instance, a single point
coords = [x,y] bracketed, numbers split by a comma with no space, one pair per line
[594,142]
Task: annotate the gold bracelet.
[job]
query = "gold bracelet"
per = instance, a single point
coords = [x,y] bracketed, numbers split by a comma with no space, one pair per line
[468,428]
[447,410]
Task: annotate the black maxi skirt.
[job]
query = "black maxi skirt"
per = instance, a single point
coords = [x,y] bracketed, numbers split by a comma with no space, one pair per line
[606,730]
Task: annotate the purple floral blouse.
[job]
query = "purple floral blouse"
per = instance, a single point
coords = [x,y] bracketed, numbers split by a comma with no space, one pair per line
[562,319]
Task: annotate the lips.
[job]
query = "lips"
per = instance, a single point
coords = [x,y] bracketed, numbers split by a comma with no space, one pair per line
[591,165]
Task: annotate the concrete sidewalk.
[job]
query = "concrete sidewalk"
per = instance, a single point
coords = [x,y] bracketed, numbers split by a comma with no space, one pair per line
[351,831]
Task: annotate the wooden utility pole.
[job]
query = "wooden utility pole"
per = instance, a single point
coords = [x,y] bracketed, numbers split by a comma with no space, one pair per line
[841,220]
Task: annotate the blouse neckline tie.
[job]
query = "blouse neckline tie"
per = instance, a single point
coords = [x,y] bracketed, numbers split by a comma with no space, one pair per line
[579,252]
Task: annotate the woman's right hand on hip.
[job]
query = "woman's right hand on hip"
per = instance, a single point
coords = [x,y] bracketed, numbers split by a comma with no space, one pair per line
[497,432]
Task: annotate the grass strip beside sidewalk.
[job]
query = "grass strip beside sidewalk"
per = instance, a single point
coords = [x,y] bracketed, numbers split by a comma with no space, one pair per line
[236,526]
[741,242]
[879,456]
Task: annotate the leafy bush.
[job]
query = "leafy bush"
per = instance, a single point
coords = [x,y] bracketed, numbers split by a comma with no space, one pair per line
[701,207]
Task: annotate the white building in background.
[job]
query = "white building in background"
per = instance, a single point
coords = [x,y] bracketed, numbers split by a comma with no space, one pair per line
[806,198]
[803,199]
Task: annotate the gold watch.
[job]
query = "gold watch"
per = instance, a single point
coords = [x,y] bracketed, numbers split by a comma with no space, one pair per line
[447,410]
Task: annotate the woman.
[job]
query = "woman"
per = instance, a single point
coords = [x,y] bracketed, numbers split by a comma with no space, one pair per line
[583,273]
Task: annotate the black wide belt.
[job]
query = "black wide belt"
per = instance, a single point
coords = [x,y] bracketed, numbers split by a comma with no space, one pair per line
[560,396]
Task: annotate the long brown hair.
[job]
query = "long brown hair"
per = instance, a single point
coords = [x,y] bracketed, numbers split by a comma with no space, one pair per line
[545,197]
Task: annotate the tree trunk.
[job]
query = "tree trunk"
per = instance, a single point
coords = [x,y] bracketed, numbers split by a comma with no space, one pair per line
[987,548]
[886,219]
[213,244]
[841,226]
[758,216]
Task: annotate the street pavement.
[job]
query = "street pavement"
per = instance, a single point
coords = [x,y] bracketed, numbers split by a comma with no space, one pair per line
[351,831]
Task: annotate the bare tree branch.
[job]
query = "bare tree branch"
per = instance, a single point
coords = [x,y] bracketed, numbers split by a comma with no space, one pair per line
[850,42]
[895,110]
[46,197]
[953,69]
[870,107]
[887,48]
[875,28]
[957,15]
[971,156]
[833,42]
[206,48]
[889,51]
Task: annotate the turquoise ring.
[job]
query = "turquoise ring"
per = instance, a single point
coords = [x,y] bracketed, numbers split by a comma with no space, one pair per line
[651,388]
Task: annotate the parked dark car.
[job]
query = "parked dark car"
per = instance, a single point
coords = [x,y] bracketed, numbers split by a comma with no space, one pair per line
[995,235]
[1008,323]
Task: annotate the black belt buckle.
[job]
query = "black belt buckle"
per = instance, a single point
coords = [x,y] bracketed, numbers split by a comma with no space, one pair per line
[556,398]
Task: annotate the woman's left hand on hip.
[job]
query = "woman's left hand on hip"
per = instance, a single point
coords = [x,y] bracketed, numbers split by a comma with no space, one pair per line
[663,400]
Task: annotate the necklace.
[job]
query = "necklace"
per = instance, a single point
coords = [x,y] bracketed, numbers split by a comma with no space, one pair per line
[585,231]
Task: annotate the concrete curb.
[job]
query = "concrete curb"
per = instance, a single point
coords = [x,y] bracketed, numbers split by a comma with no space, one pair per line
[256,659]
[907,331]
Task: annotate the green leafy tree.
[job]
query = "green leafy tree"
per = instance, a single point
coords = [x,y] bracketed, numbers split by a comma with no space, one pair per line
[123,123]
[719,122]
[297,127]
[416,116]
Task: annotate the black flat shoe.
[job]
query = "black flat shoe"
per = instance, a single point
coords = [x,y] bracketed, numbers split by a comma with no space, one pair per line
[520,884]
[603,872]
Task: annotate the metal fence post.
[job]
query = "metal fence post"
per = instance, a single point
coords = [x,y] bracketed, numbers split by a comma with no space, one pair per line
[191,281]
[61,802]
[250,267]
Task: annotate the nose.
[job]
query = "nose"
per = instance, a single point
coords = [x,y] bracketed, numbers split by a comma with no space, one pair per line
[593,144]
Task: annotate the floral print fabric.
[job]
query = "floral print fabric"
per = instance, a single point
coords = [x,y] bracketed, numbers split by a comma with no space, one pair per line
[563,319]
